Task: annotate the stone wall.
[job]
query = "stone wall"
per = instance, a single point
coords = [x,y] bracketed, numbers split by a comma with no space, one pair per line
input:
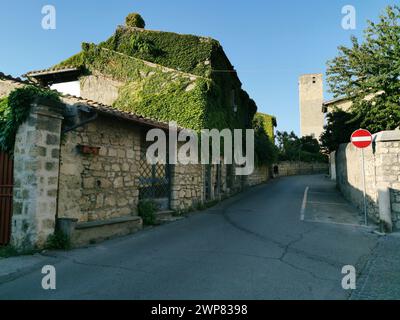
[7,86]
[382,170]
[349,177]
[98,87]
[260,175]
[187,186]
[103,186]
[36,164]
[291,168]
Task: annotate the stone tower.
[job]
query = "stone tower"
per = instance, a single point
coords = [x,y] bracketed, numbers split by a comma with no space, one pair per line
[311,98]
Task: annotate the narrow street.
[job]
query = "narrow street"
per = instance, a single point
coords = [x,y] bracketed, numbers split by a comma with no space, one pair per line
[267,243]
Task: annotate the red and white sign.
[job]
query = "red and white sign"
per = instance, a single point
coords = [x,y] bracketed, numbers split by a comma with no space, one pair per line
[361,138]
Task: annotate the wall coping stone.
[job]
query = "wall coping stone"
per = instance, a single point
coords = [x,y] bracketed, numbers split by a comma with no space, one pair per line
[99,223]
[48,108]
[392,135]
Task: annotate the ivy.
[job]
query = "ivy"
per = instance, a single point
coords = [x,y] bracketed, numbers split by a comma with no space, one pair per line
[269,124]
[196,92]
[187,53]
[14,110]
[266,153]
[135,20]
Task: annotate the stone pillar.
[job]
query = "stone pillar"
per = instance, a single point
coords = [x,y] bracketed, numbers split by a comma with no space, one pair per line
[36,171]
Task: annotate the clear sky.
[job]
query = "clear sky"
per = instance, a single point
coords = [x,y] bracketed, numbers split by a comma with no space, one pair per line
[270,43]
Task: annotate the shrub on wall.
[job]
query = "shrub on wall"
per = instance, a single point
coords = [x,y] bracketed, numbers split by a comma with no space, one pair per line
[14,110]
[135,20]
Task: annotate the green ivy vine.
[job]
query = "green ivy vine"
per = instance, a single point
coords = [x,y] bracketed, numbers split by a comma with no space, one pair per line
[14,110]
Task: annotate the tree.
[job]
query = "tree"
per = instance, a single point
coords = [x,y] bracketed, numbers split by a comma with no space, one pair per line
[135,20]
[340,126]
[368,73]
[293,148]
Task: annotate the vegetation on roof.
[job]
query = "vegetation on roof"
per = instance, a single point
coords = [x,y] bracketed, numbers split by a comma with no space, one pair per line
[186,53]
[162,94]
[198,91]
[135,20]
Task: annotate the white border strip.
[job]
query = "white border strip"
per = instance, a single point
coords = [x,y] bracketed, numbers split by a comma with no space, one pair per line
[360,139]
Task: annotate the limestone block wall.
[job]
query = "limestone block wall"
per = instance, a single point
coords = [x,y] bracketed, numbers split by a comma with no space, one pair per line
[291,168]
[36,164]
[103,186]
[187,186]
[7,86]
[382,170]
[260,175]
[349,177]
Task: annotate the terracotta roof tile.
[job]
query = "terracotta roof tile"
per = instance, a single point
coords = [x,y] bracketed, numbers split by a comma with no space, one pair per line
[102,108]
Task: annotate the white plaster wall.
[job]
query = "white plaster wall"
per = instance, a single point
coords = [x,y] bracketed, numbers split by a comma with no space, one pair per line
[73,88]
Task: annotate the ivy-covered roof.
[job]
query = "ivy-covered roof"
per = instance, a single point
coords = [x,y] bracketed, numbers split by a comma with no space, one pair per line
[169,76]
[182,52]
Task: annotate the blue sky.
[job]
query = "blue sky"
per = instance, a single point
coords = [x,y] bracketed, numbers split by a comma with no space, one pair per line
[270,43]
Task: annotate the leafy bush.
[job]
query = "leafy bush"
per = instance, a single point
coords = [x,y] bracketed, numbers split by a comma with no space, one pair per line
[58,241]
[147,211]
[8,251]
[135,20]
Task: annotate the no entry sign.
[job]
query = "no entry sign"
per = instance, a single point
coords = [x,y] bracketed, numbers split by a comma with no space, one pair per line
[361,138]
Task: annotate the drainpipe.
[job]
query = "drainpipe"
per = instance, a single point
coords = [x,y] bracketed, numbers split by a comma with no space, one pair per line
[67,226]
[81,124]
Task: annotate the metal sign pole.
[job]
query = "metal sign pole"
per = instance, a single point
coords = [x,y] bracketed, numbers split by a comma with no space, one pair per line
[364,192]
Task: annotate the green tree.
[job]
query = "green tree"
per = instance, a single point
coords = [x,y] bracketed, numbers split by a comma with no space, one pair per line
[368,73]
[293,148]
[340,126]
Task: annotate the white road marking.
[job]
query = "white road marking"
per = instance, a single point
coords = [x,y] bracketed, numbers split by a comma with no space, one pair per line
[341,224]
[303,205]
[328,203]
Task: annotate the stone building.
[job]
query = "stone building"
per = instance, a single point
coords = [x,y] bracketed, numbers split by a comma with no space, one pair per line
[311,97]
[80,165]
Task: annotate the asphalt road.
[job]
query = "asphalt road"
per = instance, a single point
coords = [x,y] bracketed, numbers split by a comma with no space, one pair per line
[253,246]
